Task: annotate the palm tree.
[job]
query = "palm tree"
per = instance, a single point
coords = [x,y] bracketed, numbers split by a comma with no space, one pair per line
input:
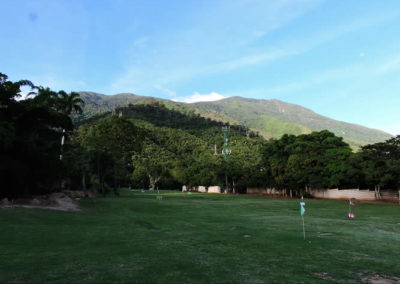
[69,102]
[59,101]
[10,91]
[66,103]
[44,97]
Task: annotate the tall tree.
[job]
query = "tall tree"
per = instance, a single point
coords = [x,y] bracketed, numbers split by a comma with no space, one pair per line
[111,142]
[29,141]
[68,103]
[154,160]
[380,164]
[314,160]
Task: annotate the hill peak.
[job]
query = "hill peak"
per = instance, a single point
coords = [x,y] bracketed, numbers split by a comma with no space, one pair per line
[270,117]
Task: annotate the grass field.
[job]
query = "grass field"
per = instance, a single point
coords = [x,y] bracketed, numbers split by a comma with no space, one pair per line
[199,239]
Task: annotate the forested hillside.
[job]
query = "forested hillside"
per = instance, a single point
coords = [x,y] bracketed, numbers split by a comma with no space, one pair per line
[149,144]
[271,118]
[179,149]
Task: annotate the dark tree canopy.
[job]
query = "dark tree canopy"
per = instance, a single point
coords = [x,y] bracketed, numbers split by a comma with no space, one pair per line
[150,145]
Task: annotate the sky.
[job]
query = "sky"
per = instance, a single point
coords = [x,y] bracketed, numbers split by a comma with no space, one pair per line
[338,58]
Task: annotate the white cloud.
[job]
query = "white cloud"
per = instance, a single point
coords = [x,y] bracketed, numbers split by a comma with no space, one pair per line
[197,97]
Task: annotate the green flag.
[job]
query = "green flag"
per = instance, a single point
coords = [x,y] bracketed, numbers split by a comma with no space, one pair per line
[302,210]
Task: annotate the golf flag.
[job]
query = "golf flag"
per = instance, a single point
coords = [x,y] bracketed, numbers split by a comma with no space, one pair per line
[351,214]
[302,210]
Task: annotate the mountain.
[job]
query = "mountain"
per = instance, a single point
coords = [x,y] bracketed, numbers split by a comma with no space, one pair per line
[271,118]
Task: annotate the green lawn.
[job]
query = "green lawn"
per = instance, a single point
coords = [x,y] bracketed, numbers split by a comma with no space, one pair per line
[204,238]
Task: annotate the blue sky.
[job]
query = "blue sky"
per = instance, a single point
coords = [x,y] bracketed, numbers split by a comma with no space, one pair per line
[339,58]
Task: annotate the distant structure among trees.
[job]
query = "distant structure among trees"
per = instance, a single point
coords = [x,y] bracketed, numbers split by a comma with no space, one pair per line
[151,145]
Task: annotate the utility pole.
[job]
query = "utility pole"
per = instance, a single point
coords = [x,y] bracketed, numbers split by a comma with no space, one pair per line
[226,151]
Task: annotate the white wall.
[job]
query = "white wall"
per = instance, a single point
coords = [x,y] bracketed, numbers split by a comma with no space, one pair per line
[334,193]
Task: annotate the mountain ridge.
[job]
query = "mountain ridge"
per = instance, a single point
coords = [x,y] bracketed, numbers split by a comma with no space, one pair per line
[271,118]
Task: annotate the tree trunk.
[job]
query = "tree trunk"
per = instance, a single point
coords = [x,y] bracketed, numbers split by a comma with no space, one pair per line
[84,182]
[116,192]
[153,180]
[377,192]
[226,184]
[99,190]
[103,190]
[291,193]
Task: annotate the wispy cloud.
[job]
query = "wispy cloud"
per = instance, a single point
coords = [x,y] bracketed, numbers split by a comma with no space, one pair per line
[211,56]
[165,91]
[206,45]
[390,65]
[250,59]
[197,97]
[353,72]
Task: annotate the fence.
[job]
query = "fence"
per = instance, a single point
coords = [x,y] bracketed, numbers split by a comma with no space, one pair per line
[334,193]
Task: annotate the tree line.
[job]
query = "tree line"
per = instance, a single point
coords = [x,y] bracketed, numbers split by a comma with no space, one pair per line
[149,145]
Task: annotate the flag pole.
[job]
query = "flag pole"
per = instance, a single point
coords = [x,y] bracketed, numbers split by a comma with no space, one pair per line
[302,210]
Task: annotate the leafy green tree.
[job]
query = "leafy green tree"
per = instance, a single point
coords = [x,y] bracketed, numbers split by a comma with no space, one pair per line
[313,160]
[78,160]
[111,142]
[380,164]
[153,160]
[29,134]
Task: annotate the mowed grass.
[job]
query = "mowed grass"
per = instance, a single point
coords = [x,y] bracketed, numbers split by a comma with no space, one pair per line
[202,238]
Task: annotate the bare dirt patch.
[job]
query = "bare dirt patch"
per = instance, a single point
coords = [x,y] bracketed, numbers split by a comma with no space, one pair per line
[324,276]
[62,201]
[380,279]
[371,277]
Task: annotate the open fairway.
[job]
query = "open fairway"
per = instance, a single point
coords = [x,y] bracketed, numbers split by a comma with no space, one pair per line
[202,238]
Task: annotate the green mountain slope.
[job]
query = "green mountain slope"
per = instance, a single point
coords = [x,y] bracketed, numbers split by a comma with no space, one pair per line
[271,118]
